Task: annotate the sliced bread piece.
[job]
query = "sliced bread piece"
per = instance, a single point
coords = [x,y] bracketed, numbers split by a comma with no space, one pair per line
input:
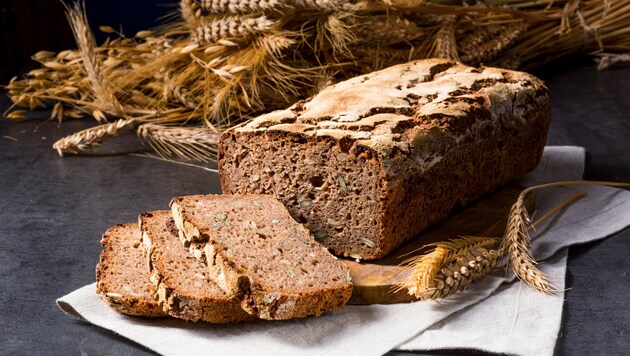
[122,278]
[183,288]
[255,251]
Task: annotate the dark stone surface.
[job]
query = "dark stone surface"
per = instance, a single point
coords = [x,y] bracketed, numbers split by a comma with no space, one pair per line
[53,211]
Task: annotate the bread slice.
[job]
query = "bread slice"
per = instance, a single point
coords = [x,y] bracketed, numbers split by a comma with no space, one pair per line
[122,279]
[255,251]
[183,288]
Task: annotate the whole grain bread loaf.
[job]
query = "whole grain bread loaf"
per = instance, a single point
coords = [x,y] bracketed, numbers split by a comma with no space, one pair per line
[372,161]
[183,288]
[255,251]
[122,279]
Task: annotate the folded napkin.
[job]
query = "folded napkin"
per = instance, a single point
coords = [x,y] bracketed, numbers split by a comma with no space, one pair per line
[495,314]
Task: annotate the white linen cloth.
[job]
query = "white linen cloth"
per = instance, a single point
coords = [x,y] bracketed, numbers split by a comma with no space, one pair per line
[495,314]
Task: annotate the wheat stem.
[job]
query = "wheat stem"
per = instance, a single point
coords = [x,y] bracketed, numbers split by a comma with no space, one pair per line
[566,202]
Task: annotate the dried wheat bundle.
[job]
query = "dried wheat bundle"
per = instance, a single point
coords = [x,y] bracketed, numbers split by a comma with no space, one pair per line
[224,61]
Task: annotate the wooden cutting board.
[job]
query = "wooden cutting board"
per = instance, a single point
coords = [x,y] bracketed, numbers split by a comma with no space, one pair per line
[374,280]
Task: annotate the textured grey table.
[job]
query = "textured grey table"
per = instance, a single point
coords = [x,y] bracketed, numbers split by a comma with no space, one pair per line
[53,211]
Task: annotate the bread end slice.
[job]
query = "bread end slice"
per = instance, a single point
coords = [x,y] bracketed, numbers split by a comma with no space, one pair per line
[122,280]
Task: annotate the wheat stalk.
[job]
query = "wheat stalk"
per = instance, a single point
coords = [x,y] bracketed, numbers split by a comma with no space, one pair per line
[451,266]
[87,139]
[103,93]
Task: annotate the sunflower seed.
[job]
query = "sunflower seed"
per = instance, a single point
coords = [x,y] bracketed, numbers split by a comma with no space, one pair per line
[369,243]
[356,256]
[342,184]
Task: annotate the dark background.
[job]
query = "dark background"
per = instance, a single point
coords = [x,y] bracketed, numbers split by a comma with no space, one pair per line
[28,26]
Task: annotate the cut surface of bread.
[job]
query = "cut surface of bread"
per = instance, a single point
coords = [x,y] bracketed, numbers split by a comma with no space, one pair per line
[183,289]
[122,279]
[372,161]
[255,251]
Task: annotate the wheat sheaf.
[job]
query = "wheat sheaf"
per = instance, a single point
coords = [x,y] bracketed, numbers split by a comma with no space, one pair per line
[218,63]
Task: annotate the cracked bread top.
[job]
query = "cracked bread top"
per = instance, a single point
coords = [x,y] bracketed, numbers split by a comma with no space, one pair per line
[422,109]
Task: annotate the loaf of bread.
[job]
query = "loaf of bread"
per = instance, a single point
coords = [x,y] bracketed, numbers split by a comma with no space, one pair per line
[122,279]
[372,161]
[256,252]
[183,289]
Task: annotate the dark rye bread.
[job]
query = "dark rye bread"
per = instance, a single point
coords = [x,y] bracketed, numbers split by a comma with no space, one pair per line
[372,161]
[122,279]
[183,289]
[255,251]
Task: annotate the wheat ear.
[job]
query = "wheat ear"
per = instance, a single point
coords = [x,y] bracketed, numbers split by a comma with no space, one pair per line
[493,47]
[103,94]
[240,6]
[87,139]
[444,44]
[334,31]
[430,274]
[386,30]
[192,143]
[516,240]
[233,27]
[322,5]
[455,276]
